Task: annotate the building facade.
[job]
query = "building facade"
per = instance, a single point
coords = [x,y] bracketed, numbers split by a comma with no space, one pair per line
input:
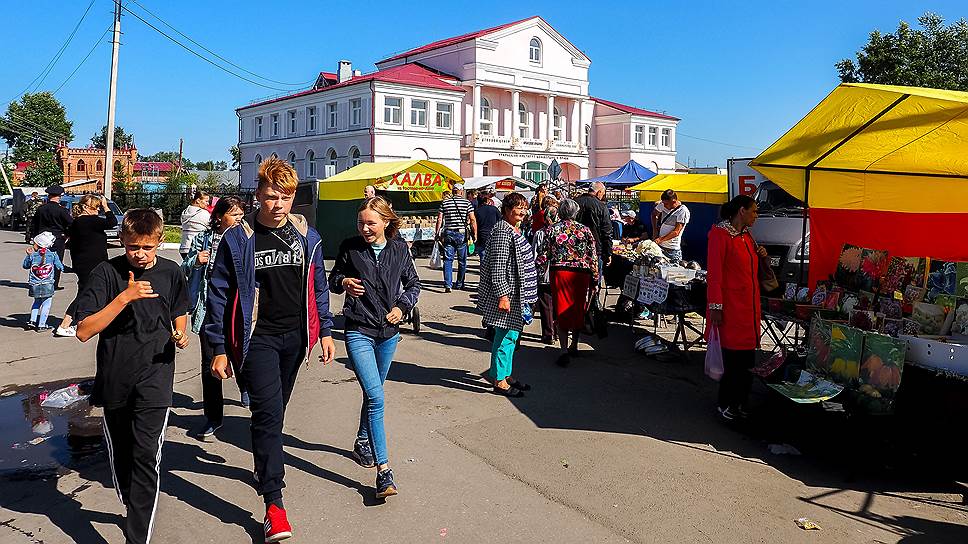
[88,163]
[502,101]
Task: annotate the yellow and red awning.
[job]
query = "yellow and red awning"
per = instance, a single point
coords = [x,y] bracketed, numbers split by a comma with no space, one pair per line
[424,180]
[705,188]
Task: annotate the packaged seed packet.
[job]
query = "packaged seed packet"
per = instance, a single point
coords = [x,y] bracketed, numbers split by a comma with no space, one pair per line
[892,327]
[873,266]
[960,325]
[910,327]
[790,292]
[891,308]
[865,301]
[880,372]
[848,303]
[913,293]
[929,317]
[846,348]
[848,266]
[902,272]
[832,301]
[961,276]
[864,320]
[942,279]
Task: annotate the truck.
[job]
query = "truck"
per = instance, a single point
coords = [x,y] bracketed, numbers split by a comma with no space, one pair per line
[780,227]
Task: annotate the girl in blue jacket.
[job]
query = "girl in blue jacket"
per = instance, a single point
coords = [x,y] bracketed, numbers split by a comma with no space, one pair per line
[41,264]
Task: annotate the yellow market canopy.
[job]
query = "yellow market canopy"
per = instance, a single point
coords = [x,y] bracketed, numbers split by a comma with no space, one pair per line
[706,188]
[418,177]
[877,147]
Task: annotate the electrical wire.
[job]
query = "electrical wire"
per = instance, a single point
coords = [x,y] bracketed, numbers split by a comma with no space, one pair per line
[78,67]
[680,133]
[216,55]
[53,61]
[20,130]
[33,125]
[199,55]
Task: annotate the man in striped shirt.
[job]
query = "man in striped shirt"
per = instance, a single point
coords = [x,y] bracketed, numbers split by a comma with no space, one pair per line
[455,222]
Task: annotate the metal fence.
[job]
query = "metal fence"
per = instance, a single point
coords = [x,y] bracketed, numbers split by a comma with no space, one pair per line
[172,203]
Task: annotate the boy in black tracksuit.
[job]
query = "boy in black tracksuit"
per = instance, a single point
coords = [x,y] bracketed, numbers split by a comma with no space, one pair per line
[137,305]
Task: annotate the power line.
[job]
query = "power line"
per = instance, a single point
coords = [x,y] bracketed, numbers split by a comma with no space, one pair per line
[53,61]
[78,67]
[21,130]
[33,125]
[199,55]
[216,55]
[680,133]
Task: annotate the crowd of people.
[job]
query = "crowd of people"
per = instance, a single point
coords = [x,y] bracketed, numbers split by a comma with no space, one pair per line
[254,288]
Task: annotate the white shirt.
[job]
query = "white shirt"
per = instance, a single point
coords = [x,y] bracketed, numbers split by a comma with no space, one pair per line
[667,223]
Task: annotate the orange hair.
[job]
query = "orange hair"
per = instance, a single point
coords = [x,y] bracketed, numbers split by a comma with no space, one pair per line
[278,173]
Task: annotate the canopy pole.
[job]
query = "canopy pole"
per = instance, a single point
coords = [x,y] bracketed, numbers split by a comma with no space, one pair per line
[806,218]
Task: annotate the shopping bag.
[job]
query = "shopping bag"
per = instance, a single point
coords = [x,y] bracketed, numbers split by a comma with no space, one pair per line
[436,257]
[714,355]
[596,322]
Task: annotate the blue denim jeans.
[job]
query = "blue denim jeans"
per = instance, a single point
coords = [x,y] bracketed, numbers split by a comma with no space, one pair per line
[674,255]
[455,244]
[371,358]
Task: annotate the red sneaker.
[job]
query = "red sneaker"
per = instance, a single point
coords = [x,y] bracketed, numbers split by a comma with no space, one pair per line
[277,526]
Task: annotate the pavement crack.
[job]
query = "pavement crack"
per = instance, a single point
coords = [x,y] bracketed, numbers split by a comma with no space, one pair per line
[9,524]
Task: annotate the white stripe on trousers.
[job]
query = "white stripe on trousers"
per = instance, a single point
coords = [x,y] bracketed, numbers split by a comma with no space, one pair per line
[114,475]
[161,442]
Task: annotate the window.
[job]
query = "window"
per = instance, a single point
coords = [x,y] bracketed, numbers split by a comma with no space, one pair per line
[275,124]
[535,50]
[356,112]
[240,129]
[310,164]
[534,171]
[292,122]
[666,137]
[485,116]
[443,114]
[292,159]
[391,110]
[559,123]
[258,127]
[588,134]
[333,159]
[99,166]
[355,157]
[487,169]
[258,161]
[117,165]
[524,129]
[80,165]
[418,113]
[311,118]
[639,135]
[652,131]
[332,115]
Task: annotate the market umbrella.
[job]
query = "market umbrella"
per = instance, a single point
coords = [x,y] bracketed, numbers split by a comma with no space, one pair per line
[631,173]
[881,167]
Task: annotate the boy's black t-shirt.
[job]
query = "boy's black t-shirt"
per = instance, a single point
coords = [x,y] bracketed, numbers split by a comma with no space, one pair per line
[279,259]
[135,353]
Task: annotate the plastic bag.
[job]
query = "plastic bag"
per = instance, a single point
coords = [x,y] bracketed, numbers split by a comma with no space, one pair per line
[436,257]
[62,398]
[714,356]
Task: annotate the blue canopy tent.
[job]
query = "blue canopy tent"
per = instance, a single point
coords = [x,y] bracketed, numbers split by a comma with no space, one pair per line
[632,173]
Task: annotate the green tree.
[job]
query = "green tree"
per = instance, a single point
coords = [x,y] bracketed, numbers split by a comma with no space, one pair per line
[934,55]
[221,166]
[120,181]
[44,171]
[122,140]
[168,156]
[205,165]
[236,156]
[34,125]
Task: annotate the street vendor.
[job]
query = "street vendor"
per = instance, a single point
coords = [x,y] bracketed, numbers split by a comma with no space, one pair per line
[669,220]
[369,191]
[632,229]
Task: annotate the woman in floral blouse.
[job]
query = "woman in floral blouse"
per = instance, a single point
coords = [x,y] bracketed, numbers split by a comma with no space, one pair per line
[568,251]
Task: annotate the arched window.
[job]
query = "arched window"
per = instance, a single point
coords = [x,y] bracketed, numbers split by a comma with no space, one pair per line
[559,124]
[273,156]
[310,164]
[117,165]
[535,50]
[258,162]
[333,160]
[80,165]
[485,116]
[291,159]
[99,166]
[588,134]
[534,171]
[524,127]
[355,157]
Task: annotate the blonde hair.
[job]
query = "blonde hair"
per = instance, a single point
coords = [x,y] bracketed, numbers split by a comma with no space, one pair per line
[278,173]
[86,202]
[382,208]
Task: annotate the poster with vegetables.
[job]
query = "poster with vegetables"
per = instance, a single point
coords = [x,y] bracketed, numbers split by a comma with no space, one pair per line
[880,373]
[929,317]
[846,347]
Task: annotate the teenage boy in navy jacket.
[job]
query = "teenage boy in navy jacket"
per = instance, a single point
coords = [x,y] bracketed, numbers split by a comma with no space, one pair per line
[268,304]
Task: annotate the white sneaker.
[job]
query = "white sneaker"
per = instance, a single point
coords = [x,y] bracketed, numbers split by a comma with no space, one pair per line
[65,332]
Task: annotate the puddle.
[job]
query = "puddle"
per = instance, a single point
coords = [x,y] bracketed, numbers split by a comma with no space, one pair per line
[39,442]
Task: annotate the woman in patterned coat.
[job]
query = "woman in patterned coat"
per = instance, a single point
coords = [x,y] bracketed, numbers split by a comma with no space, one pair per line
[509,286]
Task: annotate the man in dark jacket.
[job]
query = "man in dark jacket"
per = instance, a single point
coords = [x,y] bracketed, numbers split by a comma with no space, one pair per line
[487,215]
[54,218]
[593,213]
[268,304]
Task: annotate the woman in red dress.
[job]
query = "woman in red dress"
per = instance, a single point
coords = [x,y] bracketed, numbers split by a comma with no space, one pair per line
[734,300]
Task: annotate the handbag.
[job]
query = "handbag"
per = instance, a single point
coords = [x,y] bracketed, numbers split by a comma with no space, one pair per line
[595,320]
[714,355]
[767,277]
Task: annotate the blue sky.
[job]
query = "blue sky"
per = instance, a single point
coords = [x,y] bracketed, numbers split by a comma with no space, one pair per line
[735,72]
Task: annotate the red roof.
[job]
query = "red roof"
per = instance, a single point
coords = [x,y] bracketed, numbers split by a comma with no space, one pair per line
[406,74]
[454,40]
[162,166]
[633,110]
[21,166]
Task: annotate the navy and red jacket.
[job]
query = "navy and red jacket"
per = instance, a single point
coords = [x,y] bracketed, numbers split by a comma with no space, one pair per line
[233,295]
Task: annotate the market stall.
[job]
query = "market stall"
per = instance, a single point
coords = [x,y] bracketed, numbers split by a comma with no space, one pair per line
[413,187]
[629,174]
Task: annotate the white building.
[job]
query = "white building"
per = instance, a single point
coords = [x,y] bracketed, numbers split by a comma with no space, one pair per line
[502,101]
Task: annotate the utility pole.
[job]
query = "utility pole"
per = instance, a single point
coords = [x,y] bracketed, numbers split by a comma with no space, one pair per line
[112,97]
[181,143]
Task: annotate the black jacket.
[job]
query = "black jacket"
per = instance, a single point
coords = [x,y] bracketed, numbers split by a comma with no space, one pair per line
[54,218]
[593,213]
[390,281]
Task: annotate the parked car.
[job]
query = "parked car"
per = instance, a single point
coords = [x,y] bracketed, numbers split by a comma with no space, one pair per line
[6,211]
[68,202]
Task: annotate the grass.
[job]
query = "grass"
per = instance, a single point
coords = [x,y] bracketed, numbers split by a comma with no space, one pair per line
[172,234]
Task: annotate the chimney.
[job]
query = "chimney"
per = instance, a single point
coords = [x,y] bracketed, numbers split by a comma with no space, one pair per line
[357,73]
[345,71]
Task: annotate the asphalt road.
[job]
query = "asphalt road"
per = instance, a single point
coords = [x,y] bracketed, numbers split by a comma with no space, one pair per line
[616,448]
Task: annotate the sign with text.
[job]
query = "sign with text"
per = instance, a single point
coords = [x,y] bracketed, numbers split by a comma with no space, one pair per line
[415,182]
[504,185]
[743,180]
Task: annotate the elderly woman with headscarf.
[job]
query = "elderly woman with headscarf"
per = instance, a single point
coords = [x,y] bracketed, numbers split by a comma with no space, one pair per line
[509,286]
[568,253]
[549,210]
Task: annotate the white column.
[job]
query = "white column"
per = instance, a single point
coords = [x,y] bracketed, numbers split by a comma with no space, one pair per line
[477,111]
[551,118]
[515,118]
[580,105]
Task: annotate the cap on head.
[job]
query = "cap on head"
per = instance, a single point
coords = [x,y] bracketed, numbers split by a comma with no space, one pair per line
[458,187]
[55,190]
[44,239]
